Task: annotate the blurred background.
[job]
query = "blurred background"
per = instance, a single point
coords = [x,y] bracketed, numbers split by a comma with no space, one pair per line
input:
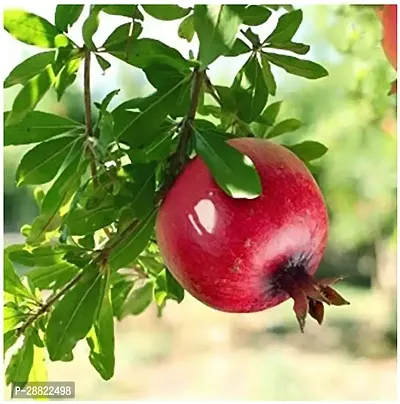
[193,352]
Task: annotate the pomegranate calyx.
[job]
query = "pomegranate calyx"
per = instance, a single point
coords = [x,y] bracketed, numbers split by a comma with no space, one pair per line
[309,294]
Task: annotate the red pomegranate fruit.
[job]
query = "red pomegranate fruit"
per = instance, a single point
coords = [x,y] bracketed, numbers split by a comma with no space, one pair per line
[247,255]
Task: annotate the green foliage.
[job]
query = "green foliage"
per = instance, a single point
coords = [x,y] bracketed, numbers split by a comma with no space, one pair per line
[92,244]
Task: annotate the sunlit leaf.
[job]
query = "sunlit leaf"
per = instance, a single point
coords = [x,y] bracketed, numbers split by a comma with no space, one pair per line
[233,171]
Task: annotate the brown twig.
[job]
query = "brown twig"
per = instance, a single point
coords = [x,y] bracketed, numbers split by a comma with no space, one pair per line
[88,114]
[179,158]
[50,301]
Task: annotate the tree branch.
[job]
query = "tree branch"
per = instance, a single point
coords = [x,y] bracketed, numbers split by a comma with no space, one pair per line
[179,158]
[50,301]
[88,115]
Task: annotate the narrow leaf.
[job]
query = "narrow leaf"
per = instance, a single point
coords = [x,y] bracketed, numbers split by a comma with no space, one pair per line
[28,68]
[216,26]
[299,48]
[52,277]
[21,363]
[268,117]
[30,95]
[81,221]
[250,90]
[238,48]
[145,52]
[232,170]
[42,163]
[288,125]
[134,241]
[308,150]
[104,64]
[12,282]
[268,75]
[255,15]
[125,10]
[90,27]
[166,12]
[36,127]
[137,301]
[299,67]
[9,339]
[67,15]
[186,28]
[101,338]
[33,30]
[287,26]
[121,34]
[73,316]
[67,75]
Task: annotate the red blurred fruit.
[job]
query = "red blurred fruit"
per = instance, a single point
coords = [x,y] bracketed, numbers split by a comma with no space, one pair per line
[240,255]
[388,16]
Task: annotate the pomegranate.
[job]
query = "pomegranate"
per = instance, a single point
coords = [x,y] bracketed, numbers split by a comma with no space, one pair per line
[242,255]
[388,16]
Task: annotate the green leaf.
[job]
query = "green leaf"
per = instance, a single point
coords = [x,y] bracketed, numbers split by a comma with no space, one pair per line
[38,371]
[252,37]
[12,316]
[28,68]
[163,77]
[12,282]
[142,187]
[299,48]
[37,127]
[186,28]
[150,118]
[33,30]
[104,64]
[308,150]
[119,293]
[67,75]
[42,163]
[52,277]
[90,27]
[9,339]
[255,15]
[238,48]
[299,67]
[41,256]
[58,196]
[167,286]
[107,99]
[21,363]
[232,170]
[216,27]
[134,241]
[268,75]
[287,26]
[73,316]
[145,52]
[125,10]
[67,15]
[268,117]
[106,126]
[250,90]
[30,95]
[101,337]
[137,301]
[81,221]
[121,35]
[166,12]
[288,125]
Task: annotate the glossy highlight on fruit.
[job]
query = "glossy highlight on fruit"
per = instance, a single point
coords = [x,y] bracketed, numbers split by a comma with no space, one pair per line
[241,255]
